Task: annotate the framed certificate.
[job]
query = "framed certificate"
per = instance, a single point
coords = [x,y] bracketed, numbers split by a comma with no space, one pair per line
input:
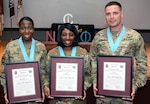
[114,76]
[66,76]
[23,82]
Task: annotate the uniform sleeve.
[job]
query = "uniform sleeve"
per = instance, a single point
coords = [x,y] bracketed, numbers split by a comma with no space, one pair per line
[5,59]
[93,55]
[40,55]
[46,81]
[43,66]
[52,52]
[87,71]
[140,74]
[82,52]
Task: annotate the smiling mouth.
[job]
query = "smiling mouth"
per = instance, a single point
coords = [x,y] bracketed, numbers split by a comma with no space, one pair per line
[67,42]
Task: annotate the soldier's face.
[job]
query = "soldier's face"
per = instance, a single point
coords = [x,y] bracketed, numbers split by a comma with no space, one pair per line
[67,37]
[26,30]
[113,15]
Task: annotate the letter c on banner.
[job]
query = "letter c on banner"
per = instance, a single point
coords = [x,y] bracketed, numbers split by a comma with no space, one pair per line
[66,18]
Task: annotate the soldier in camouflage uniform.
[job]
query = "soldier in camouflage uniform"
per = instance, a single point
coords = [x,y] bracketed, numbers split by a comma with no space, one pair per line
[13,52]
[131,44]
[68,39]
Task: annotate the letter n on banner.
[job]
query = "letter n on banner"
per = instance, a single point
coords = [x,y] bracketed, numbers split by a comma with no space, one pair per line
[50,36]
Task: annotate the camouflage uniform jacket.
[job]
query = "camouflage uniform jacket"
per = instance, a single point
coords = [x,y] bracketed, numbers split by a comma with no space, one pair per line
[13,54]
[132,44]
[80,52]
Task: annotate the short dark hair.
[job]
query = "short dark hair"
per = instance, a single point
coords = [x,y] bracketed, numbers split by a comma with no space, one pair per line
[26,18]
[113,3]
[70,27]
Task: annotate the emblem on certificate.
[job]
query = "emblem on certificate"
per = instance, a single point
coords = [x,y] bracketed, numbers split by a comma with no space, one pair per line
[114,75]
[23,82]
[66,76]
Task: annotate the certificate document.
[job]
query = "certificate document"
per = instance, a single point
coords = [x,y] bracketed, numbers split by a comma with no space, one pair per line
[23,81]
[66,76]
[114,76]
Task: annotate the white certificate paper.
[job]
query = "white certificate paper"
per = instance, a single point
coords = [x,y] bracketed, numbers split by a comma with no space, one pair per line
[23,82]
[66,76]
[114,76]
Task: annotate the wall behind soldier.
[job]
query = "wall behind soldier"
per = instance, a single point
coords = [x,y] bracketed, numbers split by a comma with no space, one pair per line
[46,12]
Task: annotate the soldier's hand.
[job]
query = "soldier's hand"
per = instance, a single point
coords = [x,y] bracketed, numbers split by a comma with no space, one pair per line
[132,96]
[95,91]
[6,100]
[42,100]
[47,92]
[82,97]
